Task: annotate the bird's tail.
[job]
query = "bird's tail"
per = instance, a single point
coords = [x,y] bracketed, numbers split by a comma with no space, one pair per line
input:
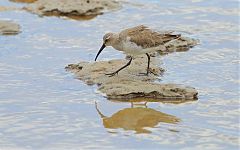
[169,37]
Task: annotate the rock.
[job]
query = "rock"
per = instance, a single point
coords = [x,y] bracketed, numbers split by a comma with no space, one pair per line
[3,8]
[128,83]
[23,1]
[72,8]
[128,89]
[9,28]
[94,73]
[181,44]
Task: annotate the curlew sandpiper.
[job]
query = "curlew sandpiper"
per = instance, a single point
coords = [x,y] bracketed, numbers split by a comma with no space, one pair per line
[136,41]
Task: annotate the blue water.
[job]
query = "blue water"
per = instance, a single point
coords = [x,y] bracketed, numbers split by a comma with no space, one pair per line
[44,107]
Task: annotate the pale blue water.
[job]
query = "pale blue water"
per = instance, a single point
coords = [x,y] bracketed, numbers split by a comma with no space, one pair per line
[44,107]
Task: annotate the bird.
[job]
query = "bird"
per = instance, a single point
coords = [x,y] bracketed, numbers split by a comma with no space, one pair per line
[136,41]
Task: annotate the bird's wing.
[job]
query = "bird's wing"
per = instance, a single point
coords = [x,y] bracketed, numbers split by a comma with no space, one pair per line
[145,37]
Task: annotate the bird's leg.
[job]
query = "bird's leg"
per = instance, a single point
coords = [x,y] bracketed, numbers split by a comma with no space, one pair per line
[116,72]
[148,67]
[148,63]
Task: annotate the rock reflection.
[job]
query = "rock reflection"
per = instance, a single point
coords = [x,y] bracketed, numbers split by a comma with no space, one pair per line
[136,118]
[138,100]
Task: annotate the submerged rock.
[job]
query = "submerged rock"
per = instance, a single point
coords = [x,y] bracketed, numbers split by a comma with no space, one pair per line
[9,28]
[72,8]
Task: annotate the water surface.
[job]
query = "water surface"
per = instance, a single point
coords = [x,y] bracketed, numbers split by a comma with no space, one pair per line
[44,107]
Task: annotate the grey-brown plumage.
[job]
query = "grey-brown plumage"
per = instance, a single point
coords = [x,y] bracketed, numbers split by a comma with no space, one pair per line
[135,41]
[147,38]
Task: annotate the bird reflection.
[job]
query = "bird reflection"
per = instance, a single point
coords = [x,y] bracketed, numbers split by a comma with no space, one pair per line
[136,118]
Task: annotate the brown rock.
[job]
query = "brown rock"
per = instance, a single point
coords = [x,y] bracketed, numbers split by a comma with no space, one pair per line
[128,83]
[23,1]
[72,8]
[4,8]
[9,28]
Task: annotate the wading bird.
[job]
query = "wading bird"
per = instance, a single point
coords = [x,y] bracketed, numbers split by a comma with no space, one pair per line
[136,41]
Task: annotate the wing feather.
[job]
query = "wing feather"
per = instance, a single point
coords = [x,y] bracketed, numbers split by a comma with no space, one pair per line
[145,37]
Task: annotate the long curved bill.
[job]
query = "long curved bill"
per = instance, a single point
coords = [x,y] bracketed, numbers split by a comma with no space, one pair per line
[103,46]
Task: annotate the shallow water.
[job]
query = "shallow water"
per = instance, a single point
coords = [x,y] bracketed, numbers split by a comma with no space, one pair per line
[44,107]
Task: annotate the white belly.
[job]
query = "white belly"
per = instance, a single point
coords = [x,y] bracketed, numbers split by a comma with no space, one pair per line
[133,49]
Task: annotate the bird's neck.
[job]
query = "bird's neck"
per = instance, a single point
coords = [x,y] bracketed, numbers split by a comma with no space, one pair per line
[117,42]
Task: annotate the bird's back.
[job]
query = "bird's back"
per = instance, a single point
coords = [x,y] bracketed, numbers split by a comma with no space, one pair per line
[145,37]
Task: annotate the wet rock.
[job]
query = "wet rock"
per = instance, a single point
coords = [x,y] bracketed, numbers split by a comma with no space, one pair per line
[129,89]
[4,8]
[72,8]
[181,44]
[9,28]
[24,1]
[128,83]
[94,73]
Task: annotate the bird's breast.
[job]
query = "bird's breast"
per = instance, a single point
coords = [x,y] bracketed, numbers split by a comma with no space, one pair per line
[131,48]
[118,46]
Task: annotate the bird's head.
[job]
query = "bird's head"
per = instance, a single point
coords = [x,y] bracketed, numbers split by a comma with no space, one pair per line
[108,40]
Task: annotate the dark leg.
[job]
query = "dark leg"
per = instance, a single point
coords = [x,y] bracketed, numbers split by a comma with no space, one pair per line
[148,69]
[116,72]
[148,63]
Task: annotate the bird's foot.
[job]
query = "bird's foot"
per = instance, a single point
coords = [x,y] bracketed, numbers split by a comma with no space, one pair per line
[143,74]
[111,74]
[147,73]
[152,72]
